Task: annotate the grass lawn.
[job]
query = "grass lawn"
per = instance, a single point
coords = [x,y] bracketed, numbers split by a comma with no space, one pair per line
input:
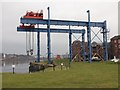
[80,75]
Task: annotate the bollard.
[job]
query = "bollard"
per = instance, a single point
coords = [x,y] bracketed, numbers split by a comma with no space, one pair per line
[53,68]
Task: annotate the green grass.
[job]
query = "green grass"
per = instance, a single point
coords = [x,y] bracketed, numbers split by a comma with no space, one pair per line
[80,75]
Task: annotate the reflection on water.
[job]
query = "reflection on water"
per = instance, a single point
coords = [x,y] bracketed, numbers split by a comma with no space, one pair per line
[19,68]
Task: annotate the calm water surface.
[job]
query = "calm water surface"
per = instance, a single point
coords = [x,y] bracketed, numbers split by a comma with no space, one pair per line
[19,68]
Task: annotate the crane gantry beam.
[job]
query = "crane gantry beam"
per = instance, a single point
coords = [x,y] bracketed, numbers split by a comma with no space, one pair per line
[51,30]
[61,22]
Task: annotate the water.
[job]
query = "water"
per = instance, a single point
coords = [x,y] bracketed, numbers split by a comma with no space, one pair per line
[19,68]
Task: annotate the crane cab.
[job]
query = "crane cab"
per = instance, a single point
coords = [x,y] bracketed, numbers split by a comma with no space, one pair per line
[31,14]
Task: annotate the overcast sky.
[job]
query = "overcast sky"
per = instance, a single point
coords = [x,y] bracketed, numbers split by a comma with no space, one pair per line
[14,42]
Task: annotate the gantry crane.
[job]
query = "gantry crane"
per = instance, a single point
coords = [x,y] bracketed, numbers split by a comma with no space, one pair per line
[40,21]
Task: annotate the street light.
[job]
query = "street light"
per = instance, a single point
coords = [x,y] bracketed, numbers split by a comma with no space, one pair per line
[61,66]
[13,66]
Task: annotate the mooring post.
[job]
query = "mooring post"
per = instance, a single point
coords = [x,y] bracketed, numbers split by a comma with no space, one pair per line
[89,38]
[48,37]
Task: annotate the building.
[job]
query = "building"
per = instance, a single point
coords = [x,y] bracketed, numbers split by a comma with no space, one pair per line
[76,50]
[97,50]
[115,47]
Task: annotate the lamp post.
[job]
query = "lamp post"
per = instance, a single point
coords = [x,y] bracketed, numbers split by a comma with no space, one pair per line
[13,66]
[61,66]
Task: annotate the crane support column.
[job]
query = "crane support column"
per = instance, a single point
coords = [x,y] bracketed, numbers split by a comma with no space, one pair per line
[83,46]
[70,45]
[48,37]
[89,38]
[105,42]
[38,45]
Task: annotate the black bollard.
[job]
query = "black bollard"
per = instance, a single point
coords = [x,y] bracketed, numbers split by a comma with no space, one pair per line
[61,67]
[53,68]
